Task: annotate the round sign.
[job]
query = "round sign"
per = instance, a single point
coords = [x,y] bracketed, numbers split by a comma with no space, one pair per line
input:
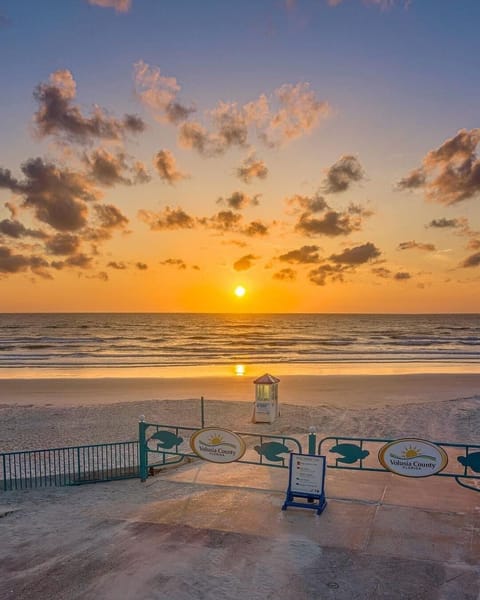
[412,457]
[217,445]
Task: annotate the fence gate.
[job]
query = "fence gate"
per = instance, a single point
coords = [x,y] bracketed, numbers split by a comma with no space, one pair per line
[162,445]
[462,461]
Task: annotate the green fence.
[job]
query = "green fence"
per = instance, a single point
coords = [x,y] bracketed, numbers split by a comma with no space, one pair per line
[169,444]
[72,465]
[362,454]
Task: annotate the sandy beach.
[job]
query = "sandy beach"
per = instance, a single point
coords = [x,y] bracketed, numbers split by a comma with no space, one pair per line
[42,413]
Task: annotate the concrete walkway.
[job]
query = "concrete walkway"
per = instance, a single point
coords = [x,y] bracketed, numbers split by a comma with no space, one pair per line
[207,531]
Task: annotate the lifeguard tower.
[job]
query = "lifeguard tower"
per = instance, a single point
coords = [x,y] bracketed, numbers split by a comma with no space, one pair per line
[266,399]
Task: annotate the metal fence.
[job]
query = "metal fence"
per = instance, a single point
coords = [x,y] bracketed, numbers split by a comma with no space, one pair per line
[72,465]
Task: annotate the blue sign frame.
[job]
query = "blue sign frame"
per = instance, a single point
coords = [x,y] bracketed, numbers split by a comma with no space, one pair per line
[313,475]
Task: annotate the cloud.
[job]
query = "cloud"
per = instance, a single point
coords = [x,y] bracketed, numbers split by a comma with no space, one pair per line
[80,261]
[11,263]
[225,220]
[341,175]
[119,266]
[15,229]
[118,5]
[411,245]
[383,4]
[304,255]
[159,94]
[58,116]
[245,263]
[110,217]
[252,168]
[168,219]
[141,266]
[255,228]
[450,173]
[166,166]
[63,244]
[474,244]
[239,201]
[357,255]
[174,262]
[307,204]
[285,275]
[472,261]
[444,223]
[331,224]
[326,272]
[381,272]
[402,276]
[58,197]
[109,169]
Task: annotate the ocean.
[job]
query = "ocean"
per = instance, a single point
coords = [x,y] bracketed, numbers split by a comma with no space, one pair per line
[31,343]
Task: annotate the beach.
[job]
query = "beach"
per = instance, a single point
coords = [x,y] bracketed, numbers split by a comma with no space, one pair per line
[44,413]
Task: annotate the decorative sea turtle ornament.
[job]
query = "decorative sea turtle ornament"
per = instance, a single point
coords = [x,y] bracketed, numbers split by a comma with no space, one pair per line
[472,461]
[271,450]
[166,439]
[350,453]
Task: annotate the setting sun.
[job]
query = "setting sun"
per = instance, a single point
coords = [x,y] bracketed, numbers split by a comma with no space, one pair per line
[240,291]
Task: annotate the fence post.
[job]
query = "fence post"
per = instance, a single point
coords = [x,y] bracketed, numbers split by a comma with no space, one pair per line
[202,411]
[312,441]
[142,449]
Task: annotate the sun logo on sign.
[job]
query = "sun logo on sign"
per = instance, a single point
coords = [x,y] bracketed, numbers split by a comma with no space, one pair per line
[411,452]
[215,440]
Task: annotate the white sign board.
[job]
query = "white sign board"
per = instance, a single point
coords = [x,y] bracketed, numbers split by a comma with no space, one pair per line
[412,457]
[217,445]
[307,474]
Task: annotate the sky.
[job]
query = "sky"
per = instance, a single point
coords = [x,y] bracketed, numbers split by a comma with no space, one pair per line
[322,154]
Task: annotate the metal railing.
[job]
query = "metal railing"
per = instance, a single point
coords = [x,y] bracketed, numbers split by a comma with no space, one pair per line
[71,465]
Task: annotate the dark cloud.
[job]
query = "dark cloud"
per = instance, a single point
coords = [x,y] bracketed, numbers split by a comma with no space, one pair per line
[110,169]
[141,266]
[331,224]
[81,261]
[174,262]
[119,266]
[252,168]
[413,245]
[63,244]
[474,244]
[342,174]
[304,255]
[11,263]
[402,276]
[306,204]
[285,275]
[15,229]
[245,263]
[472,261]
[326,272]
[444,223]
[58,116]
[450,173]
[255,228]
[381,272]
[239,201]
[118,5]
[225,220]
[166,166]
[110,217]
[58,197]
[168,219]
[357,255]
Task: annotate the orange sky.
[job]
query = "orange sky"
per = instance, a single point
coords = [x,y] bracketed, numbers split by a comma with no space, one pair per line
[324,167]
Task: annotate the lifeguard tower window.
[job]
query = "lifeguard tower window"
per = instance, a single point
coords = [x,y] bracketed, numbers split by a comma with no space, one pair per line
[265,392]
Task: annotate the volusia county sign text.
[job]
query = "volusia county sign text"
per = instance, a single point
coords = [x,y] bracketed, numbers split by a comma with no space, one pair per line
[412,457]
[217,445]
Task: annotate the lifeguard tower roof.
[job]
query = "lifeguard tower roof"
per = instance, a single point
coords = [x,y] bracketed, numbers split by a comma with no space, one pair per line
[267,378]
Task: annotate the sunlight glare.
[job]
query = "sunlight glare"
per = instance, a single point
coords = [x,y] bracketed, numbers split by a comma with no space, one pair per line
[240,291]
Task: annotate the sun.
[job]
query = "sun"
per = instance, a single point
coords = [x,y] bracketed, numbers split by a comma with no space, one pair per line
[240,291]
